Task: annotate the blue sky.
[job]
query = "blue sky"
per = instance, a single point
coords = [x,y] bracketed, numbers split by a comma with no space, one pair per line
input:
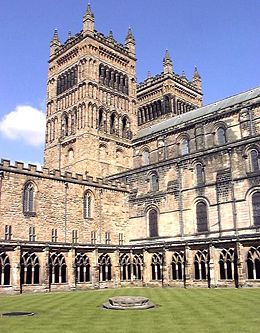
[220,37]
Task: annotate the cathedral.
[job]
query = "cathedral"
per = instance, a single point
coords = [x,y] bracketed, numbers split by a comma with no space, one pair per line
[142,185]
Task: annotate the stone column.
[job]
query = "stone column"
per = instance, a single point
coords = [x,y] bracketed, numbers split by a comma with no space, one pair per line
[45,270]
[16,269]
[146,267]
[95,269]
[71,268]
[116,268]
[188,267]
[240,279]
[212,280]
[166,267]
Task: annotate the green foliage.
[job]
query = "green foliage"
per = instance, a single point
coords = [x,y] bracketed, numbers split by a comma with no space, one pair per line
[178,310]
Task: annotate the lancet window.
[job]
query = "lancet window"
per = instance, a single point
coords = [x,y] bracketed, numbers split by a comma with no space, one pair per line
[29,199]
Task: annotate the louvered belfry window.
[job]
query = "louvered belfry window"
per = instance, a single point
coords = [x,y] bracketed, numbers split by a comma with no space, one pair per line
[28,199]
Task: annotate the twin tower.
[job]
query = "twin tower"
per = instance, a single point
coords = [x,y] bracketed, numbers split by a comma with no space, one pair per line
[94,106]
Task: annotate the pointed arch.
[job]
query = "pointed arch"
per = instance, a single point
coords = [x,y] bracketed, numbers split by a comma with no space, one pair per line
[156,265]
[105,267]
[4,269]
[201,265]
[30,269]
[82,267]
[177,265]
[58,268]
[253,263]
[125,267]
[138,262]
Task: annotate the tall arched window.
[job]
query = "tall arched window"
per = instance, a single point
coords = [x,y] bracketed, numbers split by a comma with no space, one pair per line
[138,267]
[101,119]
[105,273]
[113,123]
[156,264]
[202,217]
[167,104]
[154,182]
[4,269]
[30,269]
[153,222]
[58,268]
[184,146]
[65,125]
[221,136]
[82,267]
[177,266]
[145,157]
[200,175]
[254,163]
[253,263]
[29,199]
[87,205]
[226,264]
[126,128]
[125,267]
[256,208]
[201,265]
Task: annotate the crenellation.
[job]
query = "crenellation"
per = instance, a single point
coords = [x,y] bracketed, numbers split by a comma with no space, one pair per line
[19,165]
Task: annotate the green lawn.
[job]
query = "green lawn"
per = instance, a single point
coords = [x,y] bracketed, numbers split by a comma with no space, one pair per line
[178,310]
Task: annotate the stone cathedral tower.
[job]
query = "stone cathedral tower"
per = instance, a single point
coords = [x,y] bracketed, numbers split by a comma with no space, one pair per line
[91,102]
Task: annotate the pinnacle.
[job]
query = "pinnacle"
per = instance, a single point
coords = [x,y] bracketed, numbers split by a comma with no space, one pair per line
[111,36]
[167,56]
[196,74]
[89,11]
[130,34]
[55,37]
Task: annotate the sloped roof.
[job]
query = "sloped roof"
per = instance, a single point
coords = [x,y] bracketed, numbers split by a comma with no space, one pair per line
[199,113]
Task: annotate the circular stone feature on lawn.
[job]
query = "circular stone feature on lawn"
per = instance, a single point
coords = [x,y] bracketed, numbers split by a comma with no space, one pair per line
[128,303]
[17,314]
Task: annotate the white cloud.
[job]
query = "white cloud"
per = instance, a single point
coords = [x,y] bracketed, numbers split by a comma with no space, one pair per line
[24,123]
